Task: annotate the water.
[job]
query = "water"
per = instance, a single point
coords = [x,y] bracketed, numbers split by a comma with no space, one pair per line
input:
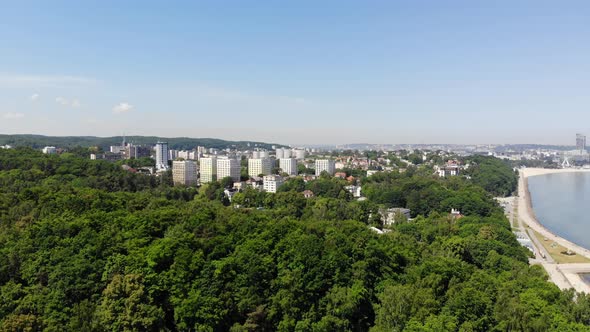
[561,202]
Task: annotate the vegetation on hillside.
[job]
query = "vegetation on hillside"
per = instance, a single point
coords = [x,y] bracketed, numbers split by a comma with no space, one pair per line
[87,246]
[181,143]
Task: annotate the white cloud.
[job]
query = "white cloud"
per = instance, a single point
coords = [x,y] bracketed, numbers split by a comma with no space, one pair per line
[62,101]
[122,108]
[34,97]
[12,116]
[66,102]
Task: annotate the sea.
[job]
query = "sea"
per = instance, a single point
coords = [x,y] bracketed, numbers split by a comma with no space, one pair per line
[561,203]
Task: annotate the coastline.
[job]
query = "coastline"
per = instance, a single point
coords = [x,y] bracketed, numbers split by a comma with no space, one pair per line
[565,276]
[527,214]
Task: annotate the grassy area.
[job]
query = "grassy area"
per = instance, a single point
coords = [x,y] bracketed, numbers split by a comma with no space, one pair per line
[514,221]
[555,250]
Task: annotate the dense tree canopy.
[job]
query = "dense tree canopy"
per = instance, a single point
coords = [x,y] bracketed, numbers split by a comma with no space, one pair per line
[87,246]
[492,174]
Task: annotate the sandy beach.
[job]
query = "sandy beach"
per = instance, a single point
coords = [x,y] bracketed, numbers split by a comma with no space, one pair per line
[563,275]
[527,215]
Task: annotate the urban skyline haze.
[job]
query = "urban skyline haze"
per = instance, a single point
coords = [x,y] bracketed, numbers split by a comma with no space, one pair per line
[301,72]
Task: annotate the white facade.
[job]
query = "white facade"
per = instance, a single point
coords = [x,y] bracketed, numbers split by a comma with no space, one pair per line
[161,155]
[173,154]
[270,183]
[259,166]
[260,154]
[184,172]
[322,165]
[298,154]
[228,167]
[49,150]
[187,155]
[117,148]
[283,153]
[208,169]
[288,165]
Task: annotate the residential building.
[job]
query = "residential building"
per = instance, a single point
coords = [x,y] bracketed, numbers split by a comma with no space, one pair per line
[184,172]
[161,156]
[354,190]
[259,166]
[580,142]
[326,165]
[208,169]
[288,165]
[451,168]
[49,150]
[283,153]
[260,154]
[298,154]
[228,167]
[172,154]
[390,216]
[270,183]
[117,148]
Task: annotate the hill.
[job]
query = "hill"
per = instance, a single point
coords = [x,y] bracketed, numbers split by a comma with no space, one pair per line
[39,141]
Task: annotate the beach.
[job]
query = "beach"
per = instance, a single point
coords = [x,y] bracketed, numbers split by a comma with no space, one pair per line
[563,275]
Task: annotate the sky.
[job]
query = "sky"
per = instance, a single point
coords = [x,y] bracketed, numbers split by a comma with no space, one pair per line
[299,72]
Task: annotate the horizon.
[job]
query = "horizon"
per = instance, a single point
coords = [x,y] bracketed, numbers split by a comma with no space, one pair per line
[300,73]
[284,144]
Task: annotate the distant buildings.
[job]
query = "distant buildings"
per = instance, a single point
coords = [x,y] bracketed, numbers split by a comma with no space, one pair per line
[270,183]
[136,151]
[49,150]
[208,169]
[288,165]
[580,142]
[260,154]
[283,153]
[390,216]
[184,172]
[324,165]
[259,166]
[161,156]
[298,154]
[228,167]
[451,168]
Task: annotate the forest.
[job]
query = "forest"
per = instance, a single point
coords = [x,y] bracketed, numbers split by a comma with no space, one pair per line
[180,143]
[88,246]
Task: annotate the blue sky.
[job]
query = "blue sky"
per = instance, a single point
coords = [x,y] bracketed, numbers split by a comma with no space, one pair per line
[298,72]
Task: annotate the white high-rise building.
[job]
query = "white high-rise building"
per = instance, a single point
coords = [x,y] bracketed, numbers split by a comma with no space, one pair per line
[259,166]
[208,169]
[288,165]
[161,156]
[283,153]
[184,172]
[173,154]
[270,183]
[298,154]
[228,167]
[260,154]
[324,165]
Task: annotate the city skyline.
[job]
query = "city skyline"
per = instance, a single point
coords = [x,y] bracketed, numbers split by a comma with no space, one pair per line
[380,73]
